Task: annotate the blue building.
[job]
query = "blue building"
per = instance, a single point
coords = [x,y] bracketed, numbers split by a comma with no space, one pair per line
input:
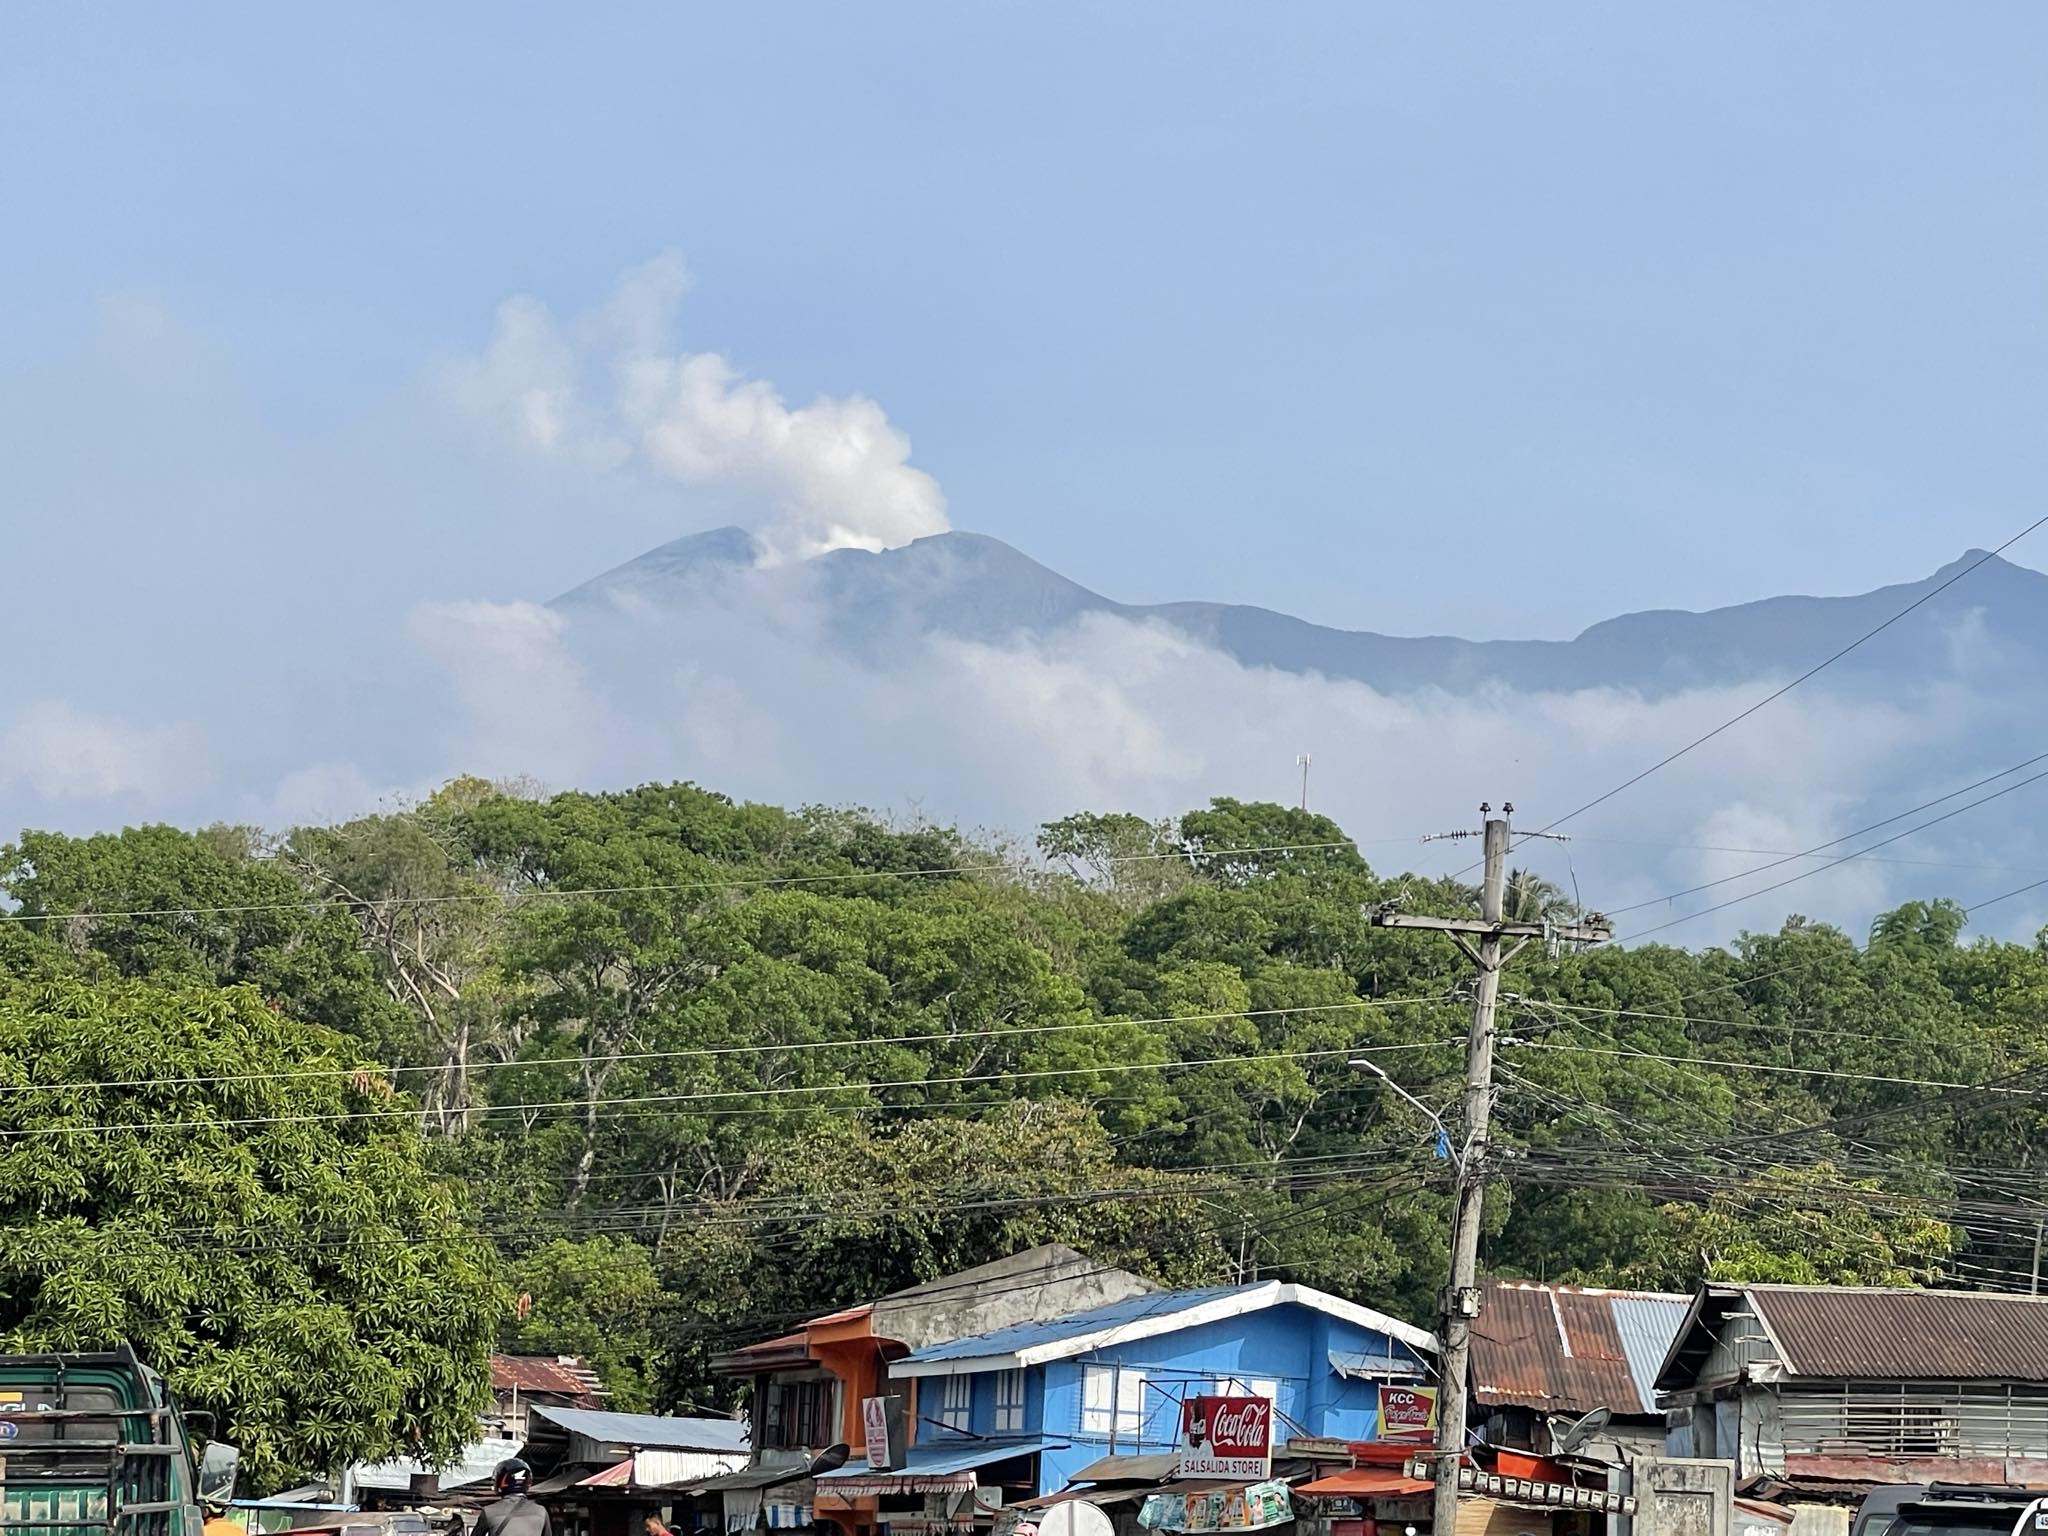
[1111,1380]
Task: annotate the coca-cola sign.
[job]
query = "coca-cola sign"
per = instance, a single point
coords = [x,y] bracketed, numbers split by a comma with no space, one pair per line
[1226,1437]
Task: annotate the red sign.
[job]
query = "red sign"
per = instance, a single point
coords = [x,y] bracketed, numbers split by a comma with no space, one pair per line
[1407,1413]
[1226,1437]
[881,1422]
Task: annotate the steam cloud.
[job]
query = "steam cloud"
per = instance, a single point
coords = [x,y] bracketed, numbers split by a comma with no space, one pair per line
[609,390]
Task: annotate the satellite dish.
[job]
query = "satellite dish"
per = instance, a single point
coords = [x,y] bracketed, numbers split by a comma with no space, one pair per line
[1582,1429]
[830,1459]
[1076,1517]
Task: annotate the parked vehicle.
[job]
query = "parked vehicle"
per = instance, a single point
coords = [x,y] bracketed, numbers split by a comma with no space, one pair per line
[1879,1511]
[94,1445]
[1950,1509]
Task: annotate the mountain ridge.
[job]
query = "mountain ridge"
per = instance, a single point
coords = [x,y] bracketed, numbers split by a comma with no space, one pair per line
[972,586]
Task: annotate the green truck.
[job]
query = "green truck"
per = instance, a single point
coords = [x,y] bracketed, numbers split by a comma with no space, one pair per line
[95,1445]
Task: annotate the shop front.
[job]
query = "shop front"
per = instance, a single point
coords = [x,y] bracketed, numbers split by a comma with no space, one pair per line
[943,1490]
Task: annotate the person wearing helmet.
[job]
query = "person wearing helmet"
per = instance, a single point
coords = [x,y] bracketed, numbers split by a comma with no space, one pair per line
[512,1513]
[218,1522]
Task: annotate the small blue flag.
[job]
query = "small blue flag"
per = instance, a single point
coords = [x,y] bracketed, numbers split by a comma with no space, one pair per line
[1443,1144]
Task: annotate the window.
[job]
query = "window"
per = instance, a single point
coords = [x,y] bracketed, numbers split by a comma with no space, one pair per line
[1249,1386]
[801,1415]
[954,1398]
[1113,1402]
[1009,1417]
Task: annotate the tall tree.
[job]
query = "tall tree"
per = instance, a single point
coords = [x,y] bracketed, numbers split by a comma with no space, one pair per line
[237,1193]
[433,924]
[211,907]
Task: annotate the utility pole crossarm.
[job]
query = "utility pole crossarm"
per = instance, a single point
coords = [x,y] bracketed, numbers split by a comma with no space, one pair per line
[1595,932]
[1456,928]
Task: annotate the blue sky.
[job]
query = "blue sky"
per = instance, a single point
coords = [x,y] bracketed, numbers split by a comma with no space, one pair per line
[1301,305]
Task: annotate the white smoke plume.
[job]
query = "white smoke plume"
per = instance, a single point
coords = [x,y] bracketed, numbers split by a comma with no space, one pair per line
[610,390]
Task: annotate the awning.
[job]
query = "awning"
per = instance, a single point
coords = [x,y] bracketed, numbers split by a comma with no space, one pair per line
[1363,1483]
[618,1476]
[1129,1469]
[1101,1497]
[931,1469]
[1358,1366]
[780,1498]
[476,1464]
[750,1477]
[669,1471]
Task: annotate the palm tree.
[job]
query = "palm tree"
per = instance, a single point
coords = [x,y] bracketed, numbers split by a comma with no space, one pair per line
[1532,899]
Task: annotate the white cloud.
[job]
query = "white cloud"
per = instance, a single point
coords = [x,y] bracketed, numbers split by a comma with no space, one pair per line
[609,389]
[327,792]
[521,703]
[61,753]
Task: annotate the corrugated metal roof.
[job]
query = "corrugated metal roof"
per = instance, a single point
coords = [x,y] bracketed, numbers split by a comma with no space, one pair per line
[935,1465]
[1563,1349]
[475,1465]
[751,1477]
[778,1345]
[937,1460]
[673,1469]
[1647,1325]
[845,1315]
[649,1430]
[1841,1332]
[543,1373]
[1018,1336]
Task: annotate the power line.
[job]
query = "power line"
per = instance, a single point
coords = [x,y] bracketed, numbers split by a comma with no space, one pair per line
[1992,901]
[1810,672]
[990,865]
[1819,848]
[710,1051]
[1688,1019]
[410,1112]
[1808,874]
[1788,853]
[714,1216]
[1759,1066]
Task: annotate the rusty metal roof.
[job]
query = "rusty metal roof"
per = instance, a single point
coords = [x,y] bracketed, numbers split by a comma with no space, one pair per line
[1842,1332]
[1564,1349]
[547,1374]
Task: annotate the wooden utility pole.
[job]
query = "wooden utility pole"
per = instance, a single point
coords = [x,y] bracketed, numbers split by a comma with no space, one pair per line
[1481,941]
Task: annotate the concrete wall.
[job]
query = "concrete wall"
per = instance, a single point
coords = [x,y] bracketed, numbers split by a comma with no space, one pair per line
[1026,1287]
[1821,1520]
[1678,1498]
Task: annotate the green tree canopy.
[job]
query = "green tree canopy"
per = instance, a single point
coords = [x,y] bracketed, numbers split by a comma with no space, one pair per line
[1798,1226]
[598,1298]
[187,1169]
